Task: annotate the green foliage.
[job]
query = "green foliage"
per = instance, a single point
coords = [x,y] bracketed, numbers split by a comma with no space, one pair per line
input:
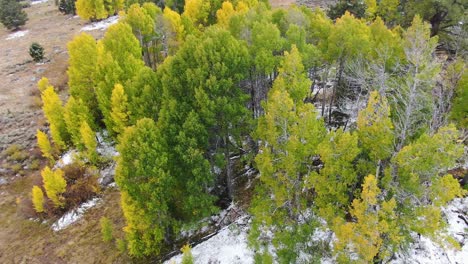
[355,7]
[81,71]
[421,161]
[76,112]
[290,134]
[146,188]
[459,112]
[12,15]
[36,51]
[375,128]
[118,61]
[38,199]
[54,185]
[67,6]
[106,229]
[337,179]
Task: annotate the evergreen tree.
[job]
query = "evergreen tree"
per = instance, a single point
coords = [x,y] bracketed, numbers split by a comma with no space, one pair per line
[337,180]
[38,199]
[45,146]
[12,15]
[146,188]
[459,112]
[290,134]
[54,185]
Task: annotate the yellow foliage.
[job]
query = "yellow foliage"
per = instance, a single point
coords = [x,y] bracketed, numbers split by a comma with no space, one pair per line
[45,147]
[54,185]
[38,199]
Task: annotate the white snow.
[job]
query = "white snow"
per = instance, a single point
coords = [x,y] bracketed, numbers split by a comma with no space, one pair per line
[74,215]
[228,246]
[66,159]
[105,148]
[101,25]
[39,2]
[427,251]
[17,34]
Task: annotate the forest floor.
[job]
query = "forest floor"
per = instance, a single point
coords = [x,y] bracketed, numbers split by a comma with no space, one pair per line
[23,240]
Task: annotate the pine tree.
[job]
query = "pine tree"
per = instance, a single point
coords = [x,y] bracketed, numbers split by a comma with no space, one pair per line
[459,112]
[81,71]
[89,141]
[146,188]
[119,109]
[53,111]
[75,113]
[38,199]
[290,134]
[12,15]
[335,183]
[45,146]
[54,185]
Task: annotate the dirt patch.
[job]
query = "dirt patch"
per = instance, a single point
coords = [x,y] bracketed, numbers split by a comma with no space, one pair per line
[19,106]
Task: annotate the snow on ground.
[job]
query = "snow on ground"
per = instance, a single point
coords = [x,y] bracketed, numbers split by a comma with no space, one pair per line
[228,246]
[66,159]
[74,215]
[17,34]
[426,251]
[101,25]
[39,2]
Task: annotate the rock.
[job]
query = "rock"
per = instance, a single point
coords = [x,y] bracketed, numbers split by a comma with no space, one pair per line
[107,174]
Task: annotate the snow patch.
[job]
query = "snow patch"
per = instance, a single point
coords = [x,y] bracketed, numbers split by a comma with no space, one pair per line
[101,25]
[39,2]
[74,215]
[229,245]
[66,159]
[427,251]
[17,34]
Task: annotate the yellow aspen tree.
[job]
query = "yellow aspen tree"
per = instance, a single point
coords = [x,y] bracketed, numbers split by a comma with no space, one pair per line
[225,13]
[38,199]
[54,185]
[45,147]
[89,141]
[75,113]
[53,111]
[119,106]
